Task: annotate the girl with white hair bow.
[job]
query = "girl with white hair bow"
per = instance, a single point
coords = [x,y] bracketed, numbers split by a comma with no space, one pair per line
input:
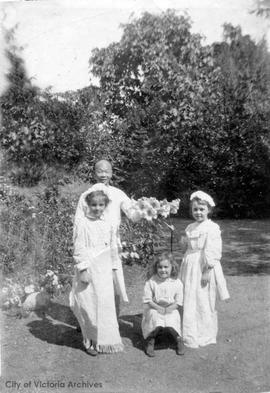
[201,274]
[98,268]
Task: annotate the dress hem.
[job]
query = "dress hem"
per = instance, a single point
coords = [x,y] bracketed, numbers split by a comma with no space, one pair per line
[109,348]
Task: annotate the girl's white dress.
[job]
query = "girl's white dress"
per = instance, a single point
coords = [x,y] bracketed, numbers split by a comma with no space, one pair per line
[163,293]
[204,248]
[95,249]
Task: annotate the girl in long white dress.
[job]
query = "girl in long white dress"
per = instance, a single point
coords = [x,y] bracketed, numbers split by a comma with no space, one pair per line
[201,274]
[97,260]
[163,295]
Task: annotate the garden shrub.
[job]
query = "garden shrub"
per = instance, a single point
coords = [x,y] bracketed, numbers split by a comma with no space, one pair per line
[36,235]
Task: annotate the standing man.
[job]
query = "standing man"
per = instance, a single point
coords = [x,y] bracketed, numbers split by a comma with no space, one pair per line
[119,201]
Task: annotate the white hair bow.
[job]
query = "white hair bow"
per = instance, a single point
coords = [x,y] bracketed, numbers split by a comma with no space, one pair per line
[99,187]
[203,196]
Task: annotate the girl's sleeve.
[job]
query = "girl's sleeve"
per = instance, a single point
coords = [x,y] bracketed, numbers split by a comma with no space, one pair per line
[82,254]
[213,246]
[116,260]
[126,206]
[147,292]
[179,293]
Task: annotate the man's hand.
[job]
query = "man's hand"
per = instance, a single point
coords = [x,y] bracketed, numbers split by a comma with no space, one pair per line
[85,276]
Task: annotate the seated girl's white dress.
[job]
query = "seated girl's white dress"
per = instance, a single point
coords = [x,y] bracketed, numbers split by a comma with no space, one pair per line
[93,304]
[163,293]
[199,314]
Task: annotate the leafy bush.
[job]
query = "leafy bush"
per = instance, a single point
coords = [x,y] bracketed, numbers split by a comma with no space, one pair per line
[143,240]
[36,236]
[38,129]
[103,139]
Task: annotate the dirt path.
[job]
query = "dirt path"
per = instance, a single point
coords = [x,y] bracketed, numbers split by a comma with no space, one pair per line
[46,348]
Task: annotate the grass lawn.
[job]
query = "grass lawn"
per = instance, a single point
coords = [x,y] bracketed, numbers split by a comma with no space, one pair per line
[246,245]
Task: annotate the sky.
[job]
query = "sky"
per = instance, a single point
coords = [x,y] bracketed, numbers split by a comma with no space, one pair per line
[58,35]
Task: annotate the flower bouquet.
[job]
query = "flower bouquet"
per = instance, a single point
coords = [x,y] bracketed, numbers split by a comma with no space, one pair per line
[143,235]
[151,209]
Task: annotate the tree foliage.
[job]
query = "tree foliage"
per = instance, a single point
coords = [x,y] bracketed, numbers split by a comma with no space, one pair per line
[171,113]
[38,130]
[243,159]
[162,80]
[262,8]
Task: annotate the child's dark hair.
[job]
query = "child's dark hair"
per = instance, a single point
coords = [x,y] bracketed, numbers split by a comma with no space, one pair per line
[98,193]
[166,256]
[202,202]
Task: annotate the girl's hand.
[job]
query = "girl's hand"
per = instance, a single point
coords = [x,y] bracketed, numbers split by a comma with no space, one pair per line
[85,277]
[183,243]
[171,308]
[161,310]
[205,278]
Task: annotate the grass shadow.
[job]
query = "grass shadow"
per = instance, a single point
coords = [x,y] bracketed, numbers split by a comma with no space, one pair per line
[59,312]
[55,333]
[57,325]
[130,327]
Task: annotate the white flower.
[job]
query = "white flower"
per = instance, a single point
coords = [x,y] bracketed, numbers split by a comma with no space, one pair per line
[165,208]
[49,273]
[154,203]
[29,289]
[174,206]
[16,300]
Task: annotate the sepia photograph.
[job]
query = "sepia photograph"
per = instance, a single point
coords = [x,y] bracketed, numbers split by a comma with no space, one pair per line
[135,196]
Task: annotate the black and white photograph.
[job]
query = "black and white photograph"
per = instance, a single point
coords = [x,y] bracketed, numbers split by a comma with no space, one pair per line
[135,196]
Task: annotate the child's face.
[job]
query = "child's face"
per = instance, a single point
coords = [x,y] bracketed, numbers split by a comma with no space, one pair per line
[97,206]
[164,269]
[200,211]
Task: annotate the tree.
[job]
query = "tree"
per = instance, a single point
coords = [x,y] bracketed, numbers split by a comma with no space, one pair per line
[161,80]
[243,158]
[196,116]
[262,8]
[38,130]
